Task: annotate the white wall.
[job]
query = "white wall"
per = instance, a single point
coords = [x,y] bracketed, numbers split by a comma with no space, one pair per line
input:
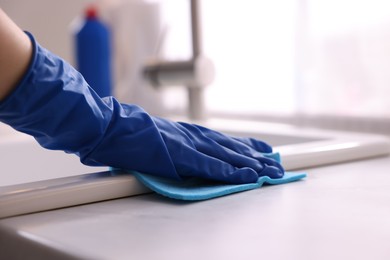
[48,20]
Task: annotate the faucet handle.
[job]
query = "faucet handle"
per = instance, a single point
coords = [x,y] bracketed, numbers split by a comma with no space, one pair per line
[194,73]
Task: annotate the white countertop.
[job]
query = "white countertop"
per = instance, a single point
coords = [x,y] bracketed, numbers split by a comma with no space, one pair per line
[338,212]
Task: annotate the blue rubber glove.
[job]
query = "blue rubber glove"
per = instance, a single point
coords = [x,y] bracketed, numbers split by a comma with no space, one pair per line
[54,104]
[202,152]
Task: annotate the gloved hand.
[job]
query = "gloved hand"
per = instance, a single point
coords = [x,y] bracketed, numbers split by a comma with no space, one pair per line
[202,152]
[54,104]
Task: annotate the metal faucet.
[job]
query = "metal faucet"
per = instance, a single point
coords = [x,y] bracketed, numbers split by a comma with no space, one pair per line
[195,73]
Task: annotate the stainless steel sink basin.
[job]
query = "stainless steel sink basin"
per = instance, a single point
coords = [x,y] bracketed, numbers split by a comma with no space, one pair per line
[34,179]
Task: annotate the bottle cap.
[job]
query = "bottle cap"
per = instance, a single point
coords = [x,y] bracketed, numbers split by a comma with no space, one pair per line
[91,12]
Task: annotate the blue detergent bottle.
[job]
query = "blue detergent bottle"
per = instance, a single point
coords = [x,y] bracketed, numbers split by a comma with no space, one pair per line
[93,53]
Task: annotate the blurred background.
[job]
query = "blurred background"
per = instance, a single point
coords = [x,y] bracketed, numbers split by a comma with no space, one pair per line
[306,62]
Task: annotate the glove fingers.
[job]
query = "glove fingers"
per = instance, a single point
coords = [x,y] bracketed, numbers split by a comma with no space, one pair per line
[272,172]
[208,167]
[247,146]
[214,149]
[270,162]
[239,152]
[249,158]
[255,144]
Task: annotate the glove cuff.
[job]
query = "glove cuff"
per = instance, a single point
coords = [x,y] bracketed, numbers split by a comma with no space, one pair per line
[55,105]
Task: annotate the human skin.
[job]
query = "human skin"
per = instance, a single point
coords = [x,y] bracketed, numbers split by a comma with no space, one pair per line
[15,54]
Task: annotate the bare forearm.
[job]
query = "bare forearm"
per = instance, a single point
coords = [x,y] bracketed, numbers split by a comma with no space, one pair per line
[15,54]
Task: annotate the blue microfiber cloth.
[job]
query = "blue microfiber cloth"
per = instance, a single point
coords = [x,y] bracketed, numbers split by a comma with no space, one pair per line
[200,189]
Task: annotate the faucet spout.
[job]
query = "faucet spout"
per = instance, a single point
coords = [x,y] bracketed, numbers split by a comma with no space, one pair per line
[194,74]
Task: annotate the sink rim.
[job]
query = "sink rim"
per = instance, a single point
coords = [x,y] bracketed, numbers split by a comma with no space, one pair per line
[328,146]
